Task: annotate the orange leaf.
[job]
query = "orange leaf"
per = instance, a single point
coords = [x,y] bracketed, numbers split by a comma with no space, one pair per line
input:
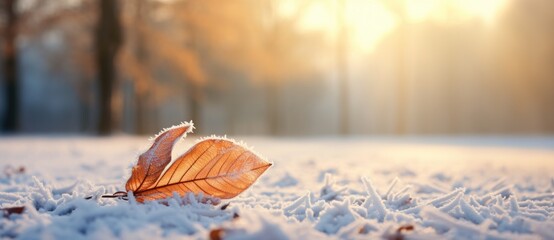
[152,163]
[214,167]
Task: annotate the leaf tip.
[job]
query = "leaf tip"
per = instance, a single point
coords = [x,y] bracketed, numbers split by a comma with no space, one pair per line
[189,125]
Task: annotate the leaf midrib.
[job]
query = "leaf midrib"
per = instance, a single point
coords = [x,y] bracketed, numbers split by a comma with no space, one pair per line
[199,179]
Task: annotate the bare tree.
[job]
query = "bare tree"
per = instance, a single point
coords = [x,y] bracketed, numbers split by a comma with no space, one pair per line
[342,69]
[398,7]
[10,65]
[141,14]
[524,53]
[108,42]
[278,58]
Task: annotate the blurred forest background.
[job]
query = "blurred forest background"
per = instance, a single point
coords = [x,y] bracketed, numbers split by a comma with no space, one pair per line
[278,67]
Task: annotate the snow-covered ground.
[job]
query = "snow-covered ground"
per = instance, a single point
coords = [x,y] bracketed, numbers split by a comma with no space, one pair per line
[357,188]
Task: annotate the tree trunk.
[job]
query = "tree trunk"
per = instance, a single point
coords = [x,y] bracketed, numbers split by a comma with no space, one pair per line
[195,89]
[194,98]
[85,104]
[342,70]
[402,84]
[140,121]
[194,110]
[273,107]
[108,41]
[141,126]
[11,77]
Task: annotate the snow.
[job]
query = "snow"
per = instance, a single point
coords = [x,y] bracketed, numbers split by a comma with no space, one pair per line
[327,188]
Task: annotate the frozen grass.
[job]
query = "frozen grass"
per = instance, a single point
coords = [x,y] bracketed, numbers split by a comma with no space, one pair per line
[317,189]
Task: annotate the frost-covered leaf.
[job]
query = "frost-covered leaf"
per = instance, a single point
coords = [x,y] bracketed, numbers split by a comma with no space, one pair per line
[214,167]
[152,163]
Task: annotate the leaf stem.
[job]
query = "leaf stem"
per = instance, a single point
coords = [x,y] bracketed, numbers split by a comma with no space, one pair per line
[118,194]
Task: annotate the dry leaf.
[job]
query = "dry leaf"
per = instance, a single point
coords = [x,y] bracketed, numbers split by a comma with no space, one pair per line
[217,234]
[6,212]
[405,228]
[152,163]
[10,171]
[214,167]
[399,234]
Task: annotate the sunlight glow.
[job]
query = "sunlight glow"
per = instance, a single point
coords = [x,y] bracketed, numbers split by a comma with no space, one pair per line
[454,10]
[369,21]
[486,10]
